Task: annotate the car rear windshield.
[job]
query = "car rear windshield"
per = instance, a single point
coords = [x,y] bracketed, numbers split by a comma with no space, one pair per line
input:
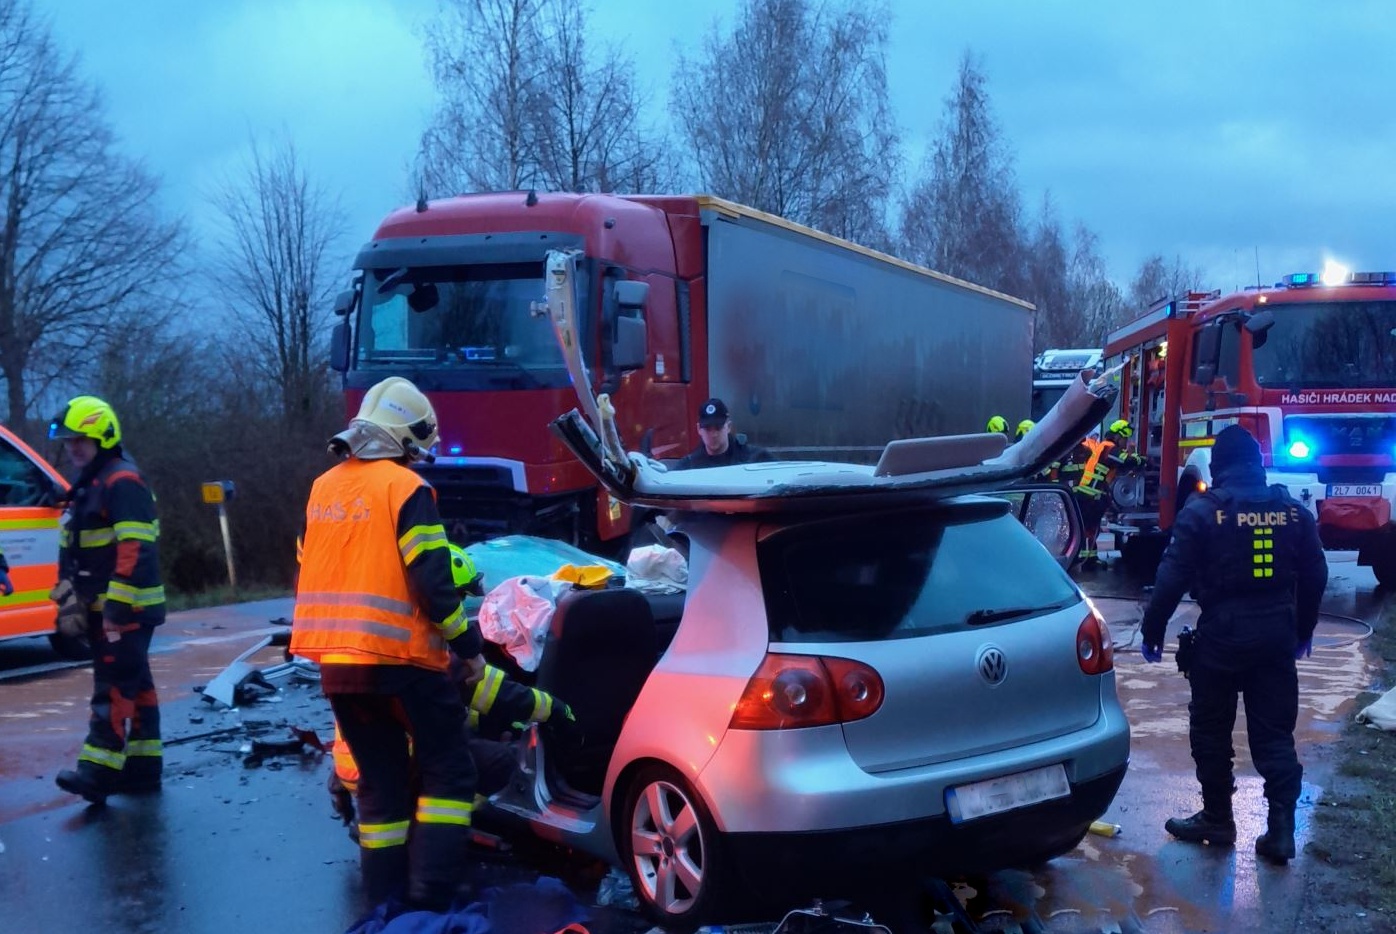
[910,574]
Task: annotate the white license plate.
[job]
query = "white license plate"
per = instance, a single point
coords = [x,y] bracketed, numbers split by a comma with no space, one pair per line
[1354,489]
[966,802]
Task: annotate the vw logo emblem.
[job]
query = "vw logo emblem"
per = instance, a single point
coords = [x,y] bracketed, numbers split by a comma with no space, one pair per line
[992,665]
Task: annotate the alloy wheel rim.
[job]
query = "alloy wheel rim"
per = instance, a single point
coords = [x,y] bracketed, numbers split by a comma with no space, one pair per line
[667,844]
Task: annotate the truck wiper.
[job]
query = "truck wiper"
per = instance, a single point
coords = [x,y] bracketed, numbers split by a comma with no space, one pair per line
[979,617]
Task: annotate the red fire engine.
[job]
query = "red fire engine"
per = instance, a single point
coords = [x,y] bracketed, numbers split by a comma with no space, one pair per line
[1307,366]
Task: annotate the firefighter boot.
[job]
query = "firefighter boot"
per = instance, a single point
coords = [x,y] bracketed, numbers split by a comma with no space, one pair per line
[91,781]
[140,775]
[1277,843]
[1214,826]
[384,872]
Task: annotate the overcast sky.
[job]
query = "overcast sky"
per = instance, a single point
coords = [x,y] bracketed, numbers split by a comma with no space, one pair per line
[1206,128]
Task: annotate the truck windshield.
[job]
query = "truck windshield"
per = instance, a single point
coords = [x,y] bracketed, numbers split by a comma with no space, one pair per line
[461,318]
[1329,345]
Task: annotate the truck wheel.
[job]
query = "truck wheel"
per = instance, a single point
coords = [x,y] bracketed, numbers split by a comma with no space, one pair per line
[73,648]
[672,850]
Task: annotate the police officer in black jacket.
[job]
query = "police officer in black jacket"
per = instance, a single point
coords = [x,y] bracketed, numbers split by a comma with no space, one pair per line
[719,448]
[1252,557]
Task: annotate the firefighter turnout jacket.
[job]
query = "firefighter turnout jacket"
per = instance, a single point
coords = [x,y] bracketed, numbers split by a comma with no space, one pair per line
[107,543]
[375,584]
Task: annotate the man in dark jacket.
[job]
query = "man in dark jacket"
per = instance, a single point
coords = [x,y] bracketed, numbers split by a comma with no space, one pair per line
[109,572]
[1251,555]
[719,447]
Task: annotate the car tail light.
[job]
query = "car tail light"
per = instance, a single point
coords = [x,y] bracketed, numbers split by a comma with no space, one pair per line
[792,691]
[1095,650]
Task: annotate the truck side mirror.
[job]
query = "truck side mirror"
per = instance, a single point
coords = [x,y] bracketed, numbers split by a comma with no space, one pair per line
[1208,354]
[628,350]
[339,347]
[344,303]
[1259,325]
[631,294]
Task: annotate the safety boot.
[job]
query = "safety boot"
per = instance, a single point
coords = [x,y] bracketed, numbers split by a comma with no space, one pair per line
[1276,845]
[140,775]
[1215,827]
[89,780]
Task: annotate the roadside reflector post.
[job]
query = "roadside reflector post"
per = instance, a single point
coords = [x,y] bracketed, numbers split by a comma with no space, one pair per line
[219,493]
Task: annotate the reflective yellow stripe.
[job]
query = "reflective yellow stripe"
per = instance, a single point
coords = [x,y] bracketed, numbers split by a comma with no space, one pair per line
[352,598]
[421,538]
[145,747]
[542,705]
[493,681]
[15,525]
[135,531]
[443,811]
[24,596]
[96,538]
[456,624]
[105,757]
[380,836]
[135,596]
[473,719]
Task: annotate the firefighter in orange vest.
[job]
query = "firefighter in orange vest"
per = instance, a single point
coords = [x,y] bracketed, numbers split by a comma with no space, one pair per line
[497,707]
[376,607]
[109,587]
[1104,459]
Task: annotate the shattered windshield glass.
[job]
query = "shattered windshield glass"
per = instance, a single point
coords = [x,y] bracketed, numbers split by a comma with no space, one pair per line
[1329,345]
[476,317]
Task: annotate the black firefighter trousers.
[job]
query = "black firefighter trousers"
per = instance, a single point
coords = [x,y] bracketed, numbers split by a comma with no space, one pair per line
[414,846]
[1271,692]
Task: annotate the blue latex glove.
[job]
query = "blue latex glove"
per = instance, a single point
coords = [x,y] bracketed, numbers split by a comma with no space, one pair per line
[6,588]
[1152,653]
[1304,650]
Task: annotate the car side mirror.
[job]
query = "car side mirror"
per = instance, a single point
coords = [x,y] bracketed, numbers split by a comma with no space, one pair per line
[1050,513]
[339,347]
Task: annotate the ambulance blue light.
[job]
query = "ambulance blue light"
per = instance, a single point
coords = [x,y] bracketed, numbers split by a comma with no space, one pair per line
[1299,449]
[455,449]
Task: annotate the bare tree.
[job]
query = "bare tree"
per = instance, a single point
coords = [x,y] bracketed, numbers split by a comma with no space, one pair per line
[1048,268]
[80,236]
[585,117]
[789,113]
[279,231]
[1100,306]
[962,215]
[1157,279]
[525,102]
[485,60]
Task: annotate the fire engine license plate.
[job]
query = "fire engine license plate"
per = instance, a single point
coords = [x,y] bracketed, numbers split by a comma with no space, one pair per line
[1354,489]
[966,802]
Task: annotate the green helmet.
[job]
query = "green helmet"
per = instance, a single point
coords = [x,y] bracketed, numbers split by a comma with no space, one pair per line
[467,579]
[1120,426]
[998,424]
[1025,426]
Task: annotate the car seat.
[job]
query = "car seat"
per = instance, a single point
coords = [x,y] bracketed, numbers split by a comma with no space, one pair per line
[600,650]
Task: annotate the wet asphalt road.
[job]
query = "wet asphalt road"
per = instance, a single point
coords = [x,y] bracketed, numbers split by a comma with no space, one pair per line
[228,847]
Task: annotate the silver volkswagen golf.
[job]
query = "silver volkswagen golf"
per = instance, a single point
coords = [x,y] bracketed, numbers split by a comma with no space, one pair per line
[846,693]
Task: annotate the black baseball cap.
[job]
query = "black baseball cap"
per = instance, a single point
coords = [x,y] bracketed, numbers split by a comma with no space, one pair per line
[713,413]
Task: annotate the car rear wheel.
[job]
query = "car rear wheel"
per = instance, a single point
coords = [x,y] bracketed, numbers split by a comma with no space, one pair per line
[672,849]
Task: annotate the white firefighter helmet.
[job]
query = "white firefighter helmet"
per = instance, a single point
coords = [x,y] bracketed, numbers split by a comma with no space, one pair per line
[401,410]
